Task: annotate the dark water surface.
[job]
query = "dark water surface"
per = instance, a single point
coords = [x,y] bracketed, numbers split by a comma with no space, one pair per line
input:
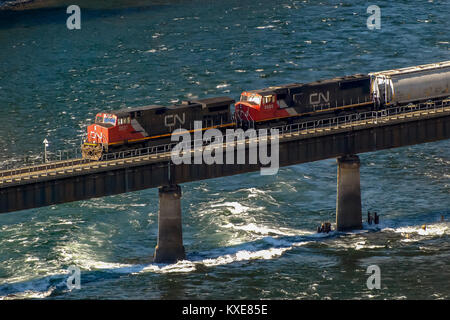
[246,236]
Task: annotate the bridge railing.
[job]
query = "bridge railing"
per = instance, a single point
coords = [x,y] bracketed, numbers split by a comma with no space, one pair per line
[334,122]
[67,160]
[40,158]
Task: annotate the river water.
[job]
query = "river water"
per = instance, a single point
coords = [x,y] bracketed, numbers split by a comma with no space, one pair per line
[246,236]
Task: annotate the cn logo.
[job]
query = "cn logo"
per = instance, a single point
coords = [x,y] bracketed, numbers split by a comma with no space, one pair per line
[172,119]
[316,98]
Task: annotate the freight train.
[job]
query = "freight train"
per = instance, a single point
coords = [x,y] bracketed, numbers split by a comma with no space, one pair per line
[139,127]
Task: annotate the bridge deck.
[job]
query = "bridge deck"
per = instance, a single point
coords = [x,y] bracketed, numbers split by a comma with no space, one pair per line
[73,180]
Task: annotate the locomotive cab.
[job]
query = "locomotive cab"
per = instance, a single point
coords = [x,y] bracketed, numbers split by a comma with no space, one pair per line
[254,106]
[110,130]
[98,135]
[98,131]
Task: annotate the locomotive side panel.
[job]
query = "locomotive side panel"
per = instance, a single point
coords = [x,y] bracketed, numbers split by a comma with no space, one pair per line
[157,123]
[216,111]
[354,92]
[311,96]
[331,94]
[176,117]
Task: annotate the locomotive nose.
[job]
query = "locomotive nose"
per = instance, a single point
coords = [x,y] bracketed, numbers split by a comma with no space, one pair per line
[95,134]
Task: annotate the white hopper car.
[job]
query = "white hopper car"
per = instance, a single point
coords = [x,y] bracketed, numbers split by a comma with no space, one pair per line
[405,85]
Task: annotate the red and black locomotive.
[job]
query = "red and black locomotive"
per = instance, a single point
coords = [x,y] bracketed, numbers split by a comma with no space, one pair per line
[293,101]
[140,127]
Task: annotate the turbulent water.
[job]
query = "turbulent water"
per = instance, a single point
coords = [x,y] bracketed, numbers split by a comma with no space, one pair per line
[246,236]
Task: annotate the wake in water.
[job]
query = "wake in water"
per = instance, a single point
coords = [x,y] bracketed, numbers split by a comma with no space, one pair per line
[272,244]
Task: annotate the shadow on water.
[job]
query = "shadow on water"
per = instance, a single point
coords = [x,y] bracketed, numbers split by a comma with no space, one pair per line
[10,19]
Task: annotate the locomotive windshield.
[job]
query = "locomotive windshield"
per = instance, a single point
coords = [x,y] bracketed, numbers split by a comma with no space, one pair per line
[105,118]
[254,98]
[111,120]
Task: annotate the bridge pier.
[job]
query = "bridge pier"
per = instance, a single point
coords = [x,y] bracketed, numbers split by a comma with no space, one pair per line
[170,237]
[348,201]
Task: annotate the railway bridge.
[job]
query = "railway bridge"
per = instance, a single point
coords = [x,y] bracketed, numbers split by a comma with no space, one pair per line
[344,137]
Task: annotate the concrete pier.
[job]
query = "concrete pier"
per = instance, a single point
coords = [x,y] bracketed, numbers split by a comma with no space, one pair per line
[348,202]
[170,237]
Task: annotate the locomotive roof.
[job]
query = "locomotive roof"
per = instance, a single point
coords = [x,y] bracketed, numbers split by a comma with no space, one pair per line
[126,111]
[204,103]
[275,89]
[344,78]
[215,101]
